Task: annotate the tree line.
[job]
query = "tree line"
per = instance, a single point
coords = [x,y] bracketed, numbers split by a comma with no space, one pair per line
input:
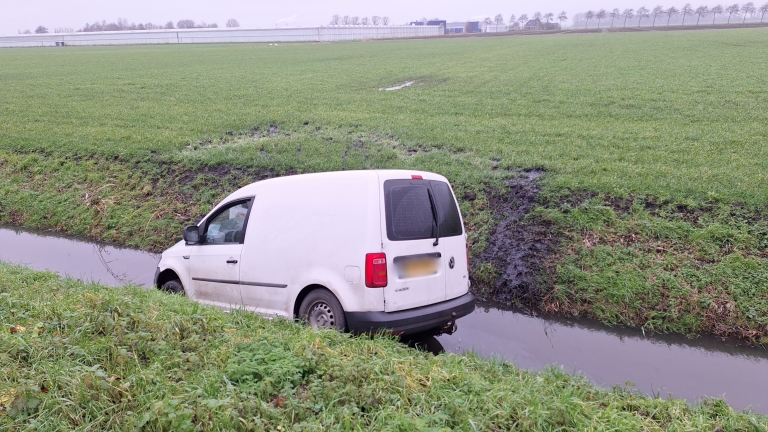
[524,18]
[122,25]
[730,13]
[356,20]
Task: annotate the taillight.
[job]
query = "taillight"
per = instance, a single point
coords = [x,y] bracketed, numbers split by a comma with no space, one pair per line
[376,270]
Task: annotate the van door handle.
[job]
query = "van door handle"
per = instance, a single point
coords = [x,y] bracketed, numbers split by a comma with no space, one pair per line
[231,261]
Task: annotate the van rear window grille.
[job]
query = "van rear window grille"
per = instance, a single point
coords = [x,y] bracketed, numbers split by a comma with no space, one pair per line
[409,212]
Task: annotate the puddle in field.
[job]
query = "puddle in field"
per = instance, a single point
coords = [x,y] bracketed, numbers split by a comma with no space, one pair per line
[662,365]
[400,87]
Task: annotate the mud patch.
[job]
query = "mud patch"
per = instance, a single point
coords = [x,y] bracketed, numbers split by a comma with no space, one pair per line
[519,248]
[399,87]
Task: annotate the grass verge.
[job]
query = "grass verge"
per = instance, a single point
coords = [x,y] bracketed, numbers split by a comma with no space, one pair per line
[81,356]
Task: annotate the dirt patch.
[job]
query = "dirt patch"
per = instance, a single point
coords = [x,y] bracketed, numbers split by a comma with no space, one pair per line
[519,248]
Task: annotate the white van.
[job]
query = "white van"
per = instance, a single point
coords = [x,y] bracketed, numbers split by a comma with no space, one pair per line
[358,251]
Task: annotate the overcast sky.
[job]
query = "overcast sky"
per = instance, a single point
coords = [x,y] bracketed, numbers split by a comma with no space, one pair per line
[28,14]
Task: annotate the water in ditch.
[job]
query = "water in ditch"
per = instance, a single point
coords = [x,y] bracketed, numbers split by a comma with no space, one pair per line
[663,365]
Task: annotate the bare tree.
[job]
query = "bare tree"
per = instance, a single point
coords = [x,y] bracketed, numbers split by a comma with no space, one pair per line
[717,10]
[628,14]
[563,17]
[643,12]
[27,32]
[498,19]
[687,10]
[169,25]
[364,21]
[672,11]
[657,12]
[748,9]
[589,15]
[355,20]
[733,9]
[385,20]
[376,20]
[41,30]
[487,21]
[700,12]
[537,16]
[614,13]
[600,15]
[548,17]
[512,20]
[523,20]
[345,20]
[335,20]
[122,24]
[232,23]
[763,10]
[185,24]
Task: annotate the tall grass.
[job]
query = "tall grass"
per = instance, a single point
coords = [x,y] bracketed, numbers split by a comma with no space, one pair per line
[81,356]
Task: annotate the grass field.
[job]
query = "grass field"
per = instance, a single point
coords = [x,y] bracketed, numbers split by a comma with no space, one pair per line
[90,357]
[654,147]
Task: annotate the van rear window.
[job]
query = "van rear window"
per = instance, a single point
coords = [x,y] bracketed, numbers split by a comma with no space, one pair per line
[409,211]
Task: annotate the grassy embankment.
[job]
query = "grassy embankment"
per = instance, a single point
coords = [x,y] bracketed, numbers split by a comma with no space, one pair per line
[78,356]
[653,144]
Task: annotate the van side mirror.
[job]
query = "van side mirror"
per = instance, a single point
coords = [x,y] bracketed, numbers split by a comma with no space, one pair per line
[192,235]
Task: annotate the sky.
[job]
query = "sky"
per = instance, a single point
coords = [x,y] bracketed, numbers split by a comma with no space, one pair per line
[28,14]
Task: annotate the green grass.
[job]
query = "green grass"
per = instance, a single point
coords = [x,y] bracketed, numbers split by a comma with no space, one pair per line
[129,144]
[82,356]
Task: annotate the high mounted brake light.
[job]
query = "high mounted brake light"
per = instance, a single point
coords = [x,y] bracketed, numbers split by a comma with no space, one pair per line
[376,270]
[417,177]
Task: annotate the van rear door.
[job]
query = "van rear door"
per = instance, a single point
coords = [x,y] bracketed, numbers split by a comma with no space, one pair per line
[415,265]
[453,239]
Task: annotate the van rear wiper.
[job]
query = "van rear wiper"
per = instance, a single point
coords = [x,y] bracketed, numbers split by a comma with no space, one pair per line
[434,217]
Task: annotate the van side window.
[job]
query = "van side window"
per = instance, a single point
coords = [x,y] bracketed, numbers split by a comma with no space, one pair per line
[228,225]
[409,211]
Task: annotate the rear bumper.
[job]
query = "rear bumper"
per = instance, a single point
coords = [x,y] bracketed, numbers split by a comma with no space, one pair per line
[411,321]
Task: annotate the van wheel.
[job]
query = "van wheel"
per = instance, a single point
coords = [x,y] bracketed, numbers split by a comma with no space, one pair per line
[173,287]
[321,309]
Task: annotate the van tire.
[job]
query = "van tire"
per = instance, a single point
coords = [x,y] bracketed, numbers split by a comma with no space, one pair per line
[321,309]
[173,287]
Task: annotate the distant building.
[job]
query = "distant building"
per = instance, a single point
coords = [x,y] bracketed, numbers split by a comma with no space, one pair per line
[455,27]
[437,23]
[536,24]
[472,27]
[495,28]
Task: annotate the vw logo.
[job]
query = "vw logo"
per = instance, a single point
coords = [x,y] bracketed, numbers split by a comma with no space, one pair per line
[451,263]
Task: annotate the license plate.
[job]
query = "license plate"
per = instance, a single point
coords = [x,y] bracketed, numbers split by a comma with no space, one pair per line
[418,267]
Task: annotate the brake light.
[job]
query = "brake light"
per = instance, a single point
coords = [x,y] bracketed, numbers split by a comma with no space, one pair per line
[376,270]
[417,177]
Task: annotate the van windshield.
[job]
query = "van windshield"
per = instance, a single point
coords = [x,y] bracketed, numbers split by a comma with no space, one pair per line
[409,212]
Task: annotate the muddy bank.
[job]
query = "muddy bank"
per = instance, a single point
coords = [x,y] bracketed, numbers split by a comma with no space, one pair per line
[519,248]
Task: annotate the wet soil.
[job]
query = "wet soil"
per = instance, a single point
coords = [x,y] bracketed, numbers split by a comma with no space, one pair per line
[519,248]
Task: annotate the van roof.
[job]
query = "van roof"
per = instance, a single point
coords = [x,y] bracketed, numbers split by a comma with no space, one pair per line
[252,188]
